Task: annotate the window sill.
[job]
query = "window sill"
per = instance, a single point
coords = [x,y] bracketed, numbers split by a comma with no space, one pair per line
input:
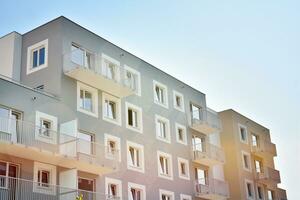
[87,112]
[165,176]
[134,168]
[164,140]
[114,121]
[161,104]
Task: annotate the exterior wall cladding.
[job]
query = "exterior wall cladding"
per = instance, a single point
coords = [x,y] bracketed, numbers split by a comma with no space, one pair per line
[56,168]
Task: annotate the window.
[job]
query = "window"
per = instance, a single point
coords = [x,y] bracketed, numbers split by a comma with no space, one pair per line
[255,140]
[243,133]
[133,80]
[110,68]
[134,117]
[45,178]
[87,99]
[201,176]
[196,112]
[198,143]
[181,135]
[81,56]
[185,197]
[258,166]
[113,147]
[37,56]
[271,195]
[160,94]
[135,156]
[86,184]
[249,189]
[113,188]
[10,123]
[178,101]
[162,129]
[136,191]
[165,169]
[111,107]
[246,161]
[86,143]
[8,170]
[183,168]
[46,128]
[166,195]
[260,193]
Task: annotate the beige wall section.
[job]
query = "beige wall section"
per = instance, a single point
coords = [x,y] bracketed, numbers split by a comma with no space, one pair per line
[10,55]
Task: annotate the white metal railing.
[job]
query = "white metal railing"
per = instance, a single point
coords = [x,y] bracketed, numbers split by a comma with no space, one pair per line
[207,150]
[28,134]
[76,59]
[206,116]
[211,187]
[21,189]
[269,173]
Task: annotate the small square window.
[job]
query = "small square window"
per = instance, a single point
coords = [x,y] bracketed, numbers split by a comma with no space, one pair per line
[181,135]
[160,94]
[165,165]
[46,128]
[183,169]
[135,157]
[162,129]
[178,101]
[111,108]
[134,117]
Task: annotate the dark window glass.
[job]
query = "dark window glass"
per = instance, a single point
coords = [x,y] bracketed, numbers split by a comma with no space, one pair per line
[35,59]
[42,56]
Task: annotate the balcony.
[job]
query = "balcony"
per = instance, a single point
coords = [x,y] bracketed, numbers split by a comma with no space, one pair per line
[281,194]
[205,121]
[92,71]
[208,154]
[211,189]
[22,189]
[268,176]
[264,147]
[24,139]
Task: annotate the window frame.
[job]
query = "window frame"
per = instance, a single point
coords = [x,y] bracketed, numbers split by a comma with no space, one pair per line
[42,44]
[140,148]
[165,94]
[117,101]
[39,116]
[186,162]
[247,154]
[140,187]
[252,189]
[185,197]
[241,126]
[166,192]
[138,81]
[180,126]
[51,190]
[170,165]
[178,94]
[116,63]
[117,140]
[116,182]
[94,93]
[167,127]
[139,112]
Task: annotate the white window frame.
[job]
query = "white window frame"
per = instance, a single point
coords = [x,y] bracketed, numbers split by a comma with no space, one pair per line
[139,112]
[138,81]
[169,157]
[117,101]
[180,126]
[240,135]
[30,49]
[178,94]
[113,61]
[168,134]
[39,116]
[108,137]
[116,182]
[166,192]
[141,157]
[252,188]
[51,190]
[139,187]
[185,197]
[94,93]
[165,88]
[244,153]
[186,162]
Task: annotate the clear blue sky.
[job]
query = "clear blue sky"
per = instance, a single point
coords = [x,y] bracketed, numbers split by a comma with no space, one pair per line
[243,54]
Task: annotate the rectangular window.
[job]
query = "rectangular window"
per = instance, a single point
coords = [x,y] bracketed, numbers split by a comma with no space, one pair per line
[43,178]
[87,99]
[7,170]
[133,79]
[162,129]
[246,161]
[112,147]
[201,176]
[134,117]
[113,188]
[135,157]
[260,193]
[178,101]
[160,94]
[258,166]
[85,184]
[37,56]
[255,140]
[86,143]
[181,135]
[249,190]
[136,191]
[185,197]
[198,143]
[111,107]
[45,128]
[243,134]
[271,195]
[81,56]
[183,168]
[165,165]
[166,195]
[196,112]
[86,102]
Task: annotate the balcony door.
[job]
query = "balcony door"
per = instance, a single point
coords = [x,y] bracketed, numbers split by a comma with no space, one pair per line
[86,188]
[9,173]
[86,143]
[9,124]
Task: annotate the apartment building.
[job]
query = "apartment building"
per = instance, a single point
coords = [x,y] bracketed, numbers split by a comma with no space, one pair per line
[249,167]
[81,118]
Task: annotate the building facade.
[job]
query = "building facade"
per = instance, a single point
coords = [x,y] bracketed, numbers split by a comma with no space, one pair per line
[250,154]
[81,118]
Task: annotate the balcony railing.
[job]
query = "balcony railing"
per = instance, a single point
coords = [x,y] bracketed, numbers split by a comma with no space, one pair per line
[281,194]
[208,154]
[264,146]
[22,189]
[92,72]
[205,121]
[268,175]
[211,189]
[69,151]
